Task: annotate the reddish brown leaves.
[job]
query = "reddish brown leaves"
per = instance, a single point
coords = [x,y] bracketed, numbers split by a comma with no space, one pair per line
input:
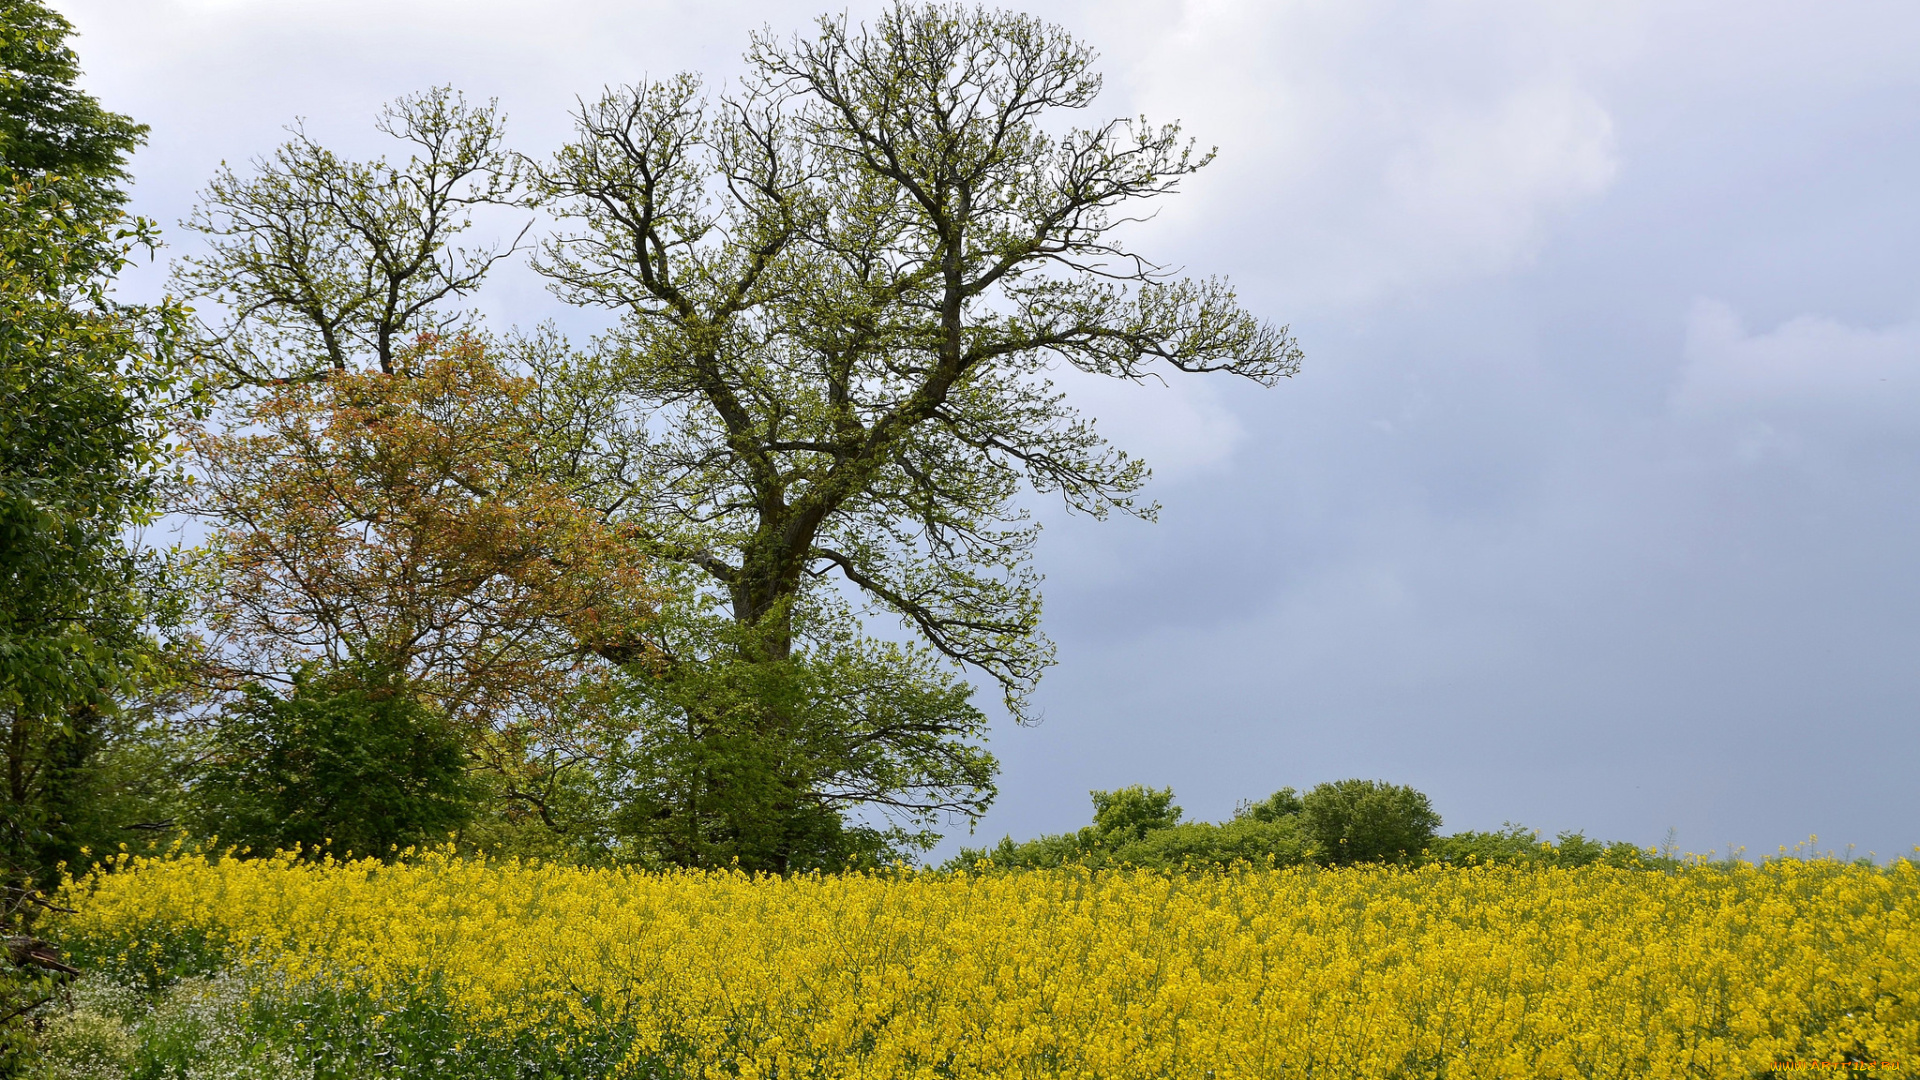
[421,522]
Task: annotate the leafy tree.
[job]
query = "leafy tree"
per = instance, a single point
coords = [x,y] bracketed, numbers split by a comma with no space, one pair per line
[1354,821]
[86,386]
[350,761]
[85,383]
[840,290]
[49,128]
[416,523]
[321,264]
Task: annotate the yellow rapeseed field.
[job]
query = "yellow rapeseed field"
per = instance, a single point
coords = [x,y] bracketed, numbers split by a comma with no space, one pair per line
[1456,972]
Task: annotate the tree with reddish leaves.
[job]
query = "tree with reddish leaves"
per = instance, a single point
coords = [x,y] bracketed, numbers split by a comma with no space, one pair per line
[417,524]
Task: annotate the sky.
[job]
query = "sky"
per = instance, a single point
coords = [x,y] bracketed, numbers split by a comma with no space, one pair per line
[1596,504]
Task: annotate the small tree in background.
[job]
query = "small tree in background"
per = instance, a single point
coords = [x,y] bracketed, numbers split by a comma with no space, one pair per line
[1355,821]
[1130,813]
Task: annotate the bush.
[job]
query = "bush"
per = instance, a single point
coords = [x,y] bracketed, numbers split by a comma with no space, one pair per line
[1516,845]
[1131,813]
[1354,821]
[1199,845]
[350,758]
[1141,827]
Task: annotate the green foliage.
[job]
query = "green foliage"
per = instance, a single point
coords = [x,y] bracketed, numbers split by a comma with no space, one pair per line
[1518,845]
[1131,813]
[761,762]
[1204,845]
[24,994]
[557,814]
[87,389]
[1335,824]
[1141,826]
[351,760]
[78,457]
[1354,821]
[48,126]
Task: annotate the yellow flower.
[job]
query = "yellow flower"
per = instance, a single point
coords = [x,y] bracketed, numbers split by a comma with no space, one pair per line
[1481,971]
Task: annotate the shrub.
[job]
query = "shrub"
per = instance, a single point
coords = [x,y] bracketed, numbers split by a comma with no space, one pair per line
[350,758]
[1140,827]
[1516,845]
[1200,844]
[1354,821]
[1131,813]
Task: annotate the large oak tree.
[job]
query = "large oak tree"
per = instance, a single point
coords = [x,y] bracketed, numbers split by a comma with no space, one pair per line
[841,287]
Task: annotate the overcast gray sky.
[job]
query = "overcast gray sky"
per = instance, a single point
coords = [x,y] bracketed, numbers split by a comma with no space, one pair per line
[1597,503]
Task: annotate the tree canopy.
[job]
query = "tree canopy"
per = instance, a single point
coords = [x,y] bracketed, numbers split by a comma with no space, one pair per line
[49,127]
[841,287]
[321,264]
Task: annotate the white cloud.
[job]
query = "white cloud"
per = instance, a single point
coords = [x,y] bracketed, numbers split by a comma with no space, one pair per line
[1368,147]
[1811,368]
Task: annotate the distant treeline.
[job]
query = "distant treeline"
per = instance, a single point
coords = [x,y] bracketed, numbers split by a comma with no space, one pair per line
[1335,824]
